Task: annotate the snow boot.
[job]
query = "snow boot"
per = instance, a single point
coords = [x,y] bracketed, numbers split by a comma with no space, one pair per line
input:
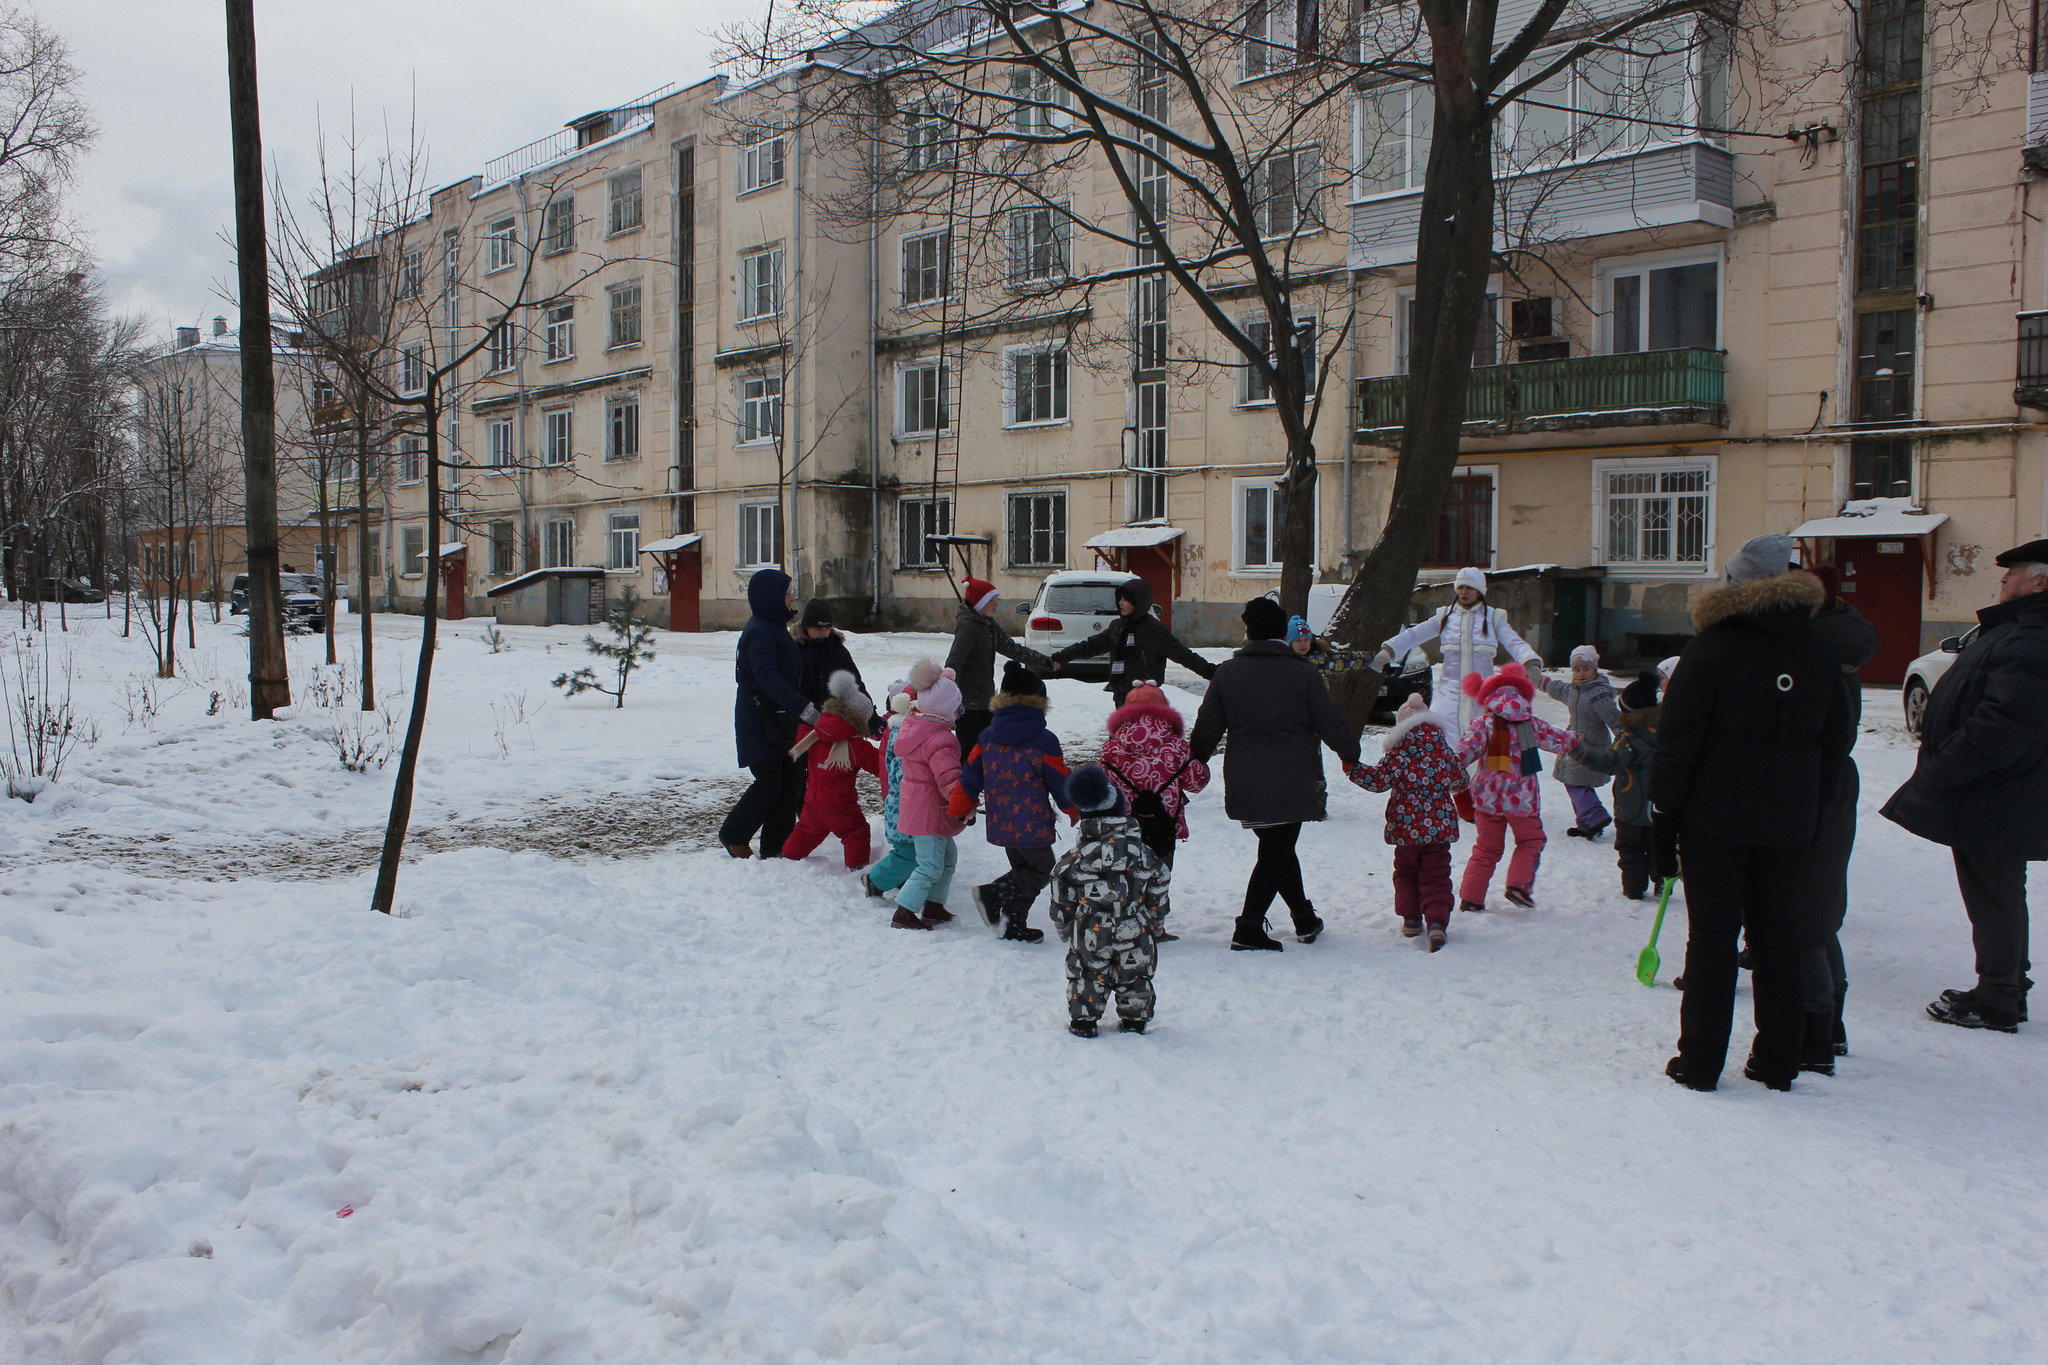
[1965,1010]
[1411,928]
[1817,1047]
[1307,931]
[1592,832]
[1081,1028]
[1519,895]
[906,919]
[988,899]
[867,885]
[1751,1071]
[1250,936]
[740,850]
[1950,997]
[1473,907]
[1677,1070]
[1437,936]
[1130,1026]
[1017,931]
[935,913]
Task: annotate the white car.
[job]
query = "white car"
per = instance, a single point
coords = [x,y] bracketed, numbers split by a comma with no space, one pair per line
[1072,605]
[1924,672]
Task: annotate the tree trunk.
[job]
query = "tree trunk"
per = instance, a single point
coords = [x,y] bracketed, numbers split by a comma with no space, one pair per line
[369,702]
[416,723]
[270,684]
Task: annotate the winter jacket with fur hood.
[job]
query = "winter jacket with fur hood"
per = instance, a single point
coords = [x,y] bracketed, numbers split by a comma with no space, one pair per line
[1417,766]
[1145,749]
[838,755]
[1594,710]
[1755,721]
[1019,772]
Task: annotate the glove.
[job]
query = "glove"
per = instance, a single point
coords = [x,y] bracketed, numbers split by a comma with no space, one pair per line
[1384,659]
[1663,845]
[959,805]
[810,715]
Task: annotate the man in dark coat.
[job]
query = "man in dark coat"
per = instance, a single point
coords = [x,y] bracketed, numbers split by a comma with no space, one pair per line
[1981,786]
[1272,704]
[1752,735]
[977,639]
[766,712]
[1139,644]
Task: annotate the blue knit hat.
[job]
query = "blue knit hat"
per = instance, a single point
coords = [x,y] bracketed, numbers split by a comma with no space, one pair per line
[1297,629]
[1092,793]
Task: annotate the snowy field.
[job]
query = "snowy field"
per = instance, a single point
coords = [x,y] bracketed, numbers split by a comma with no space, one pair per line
[602,1094]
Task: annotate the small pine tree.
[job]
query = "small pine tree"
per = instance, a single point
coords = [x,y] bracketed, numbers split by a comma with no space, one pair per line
[627,650]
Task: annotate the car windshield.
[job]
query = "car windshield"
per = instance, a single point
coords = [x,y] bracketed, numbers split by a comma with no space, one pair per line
[299,582]
[1081,599]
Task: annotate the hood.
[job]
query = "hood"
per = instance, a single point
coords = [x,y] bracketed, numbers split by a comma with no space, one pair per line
[1508,704]
[837,723]
[1644,719]
[1412,722]
[1140,594]
[1141,710]
[1019,721]
[1780,603]
[1107,827]
[765,591]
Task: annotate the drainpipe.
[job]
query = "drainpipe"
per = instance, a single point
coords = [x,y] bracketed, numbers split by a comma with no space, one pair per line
[792,403]
[1345,424]
[874,368]
[525,475]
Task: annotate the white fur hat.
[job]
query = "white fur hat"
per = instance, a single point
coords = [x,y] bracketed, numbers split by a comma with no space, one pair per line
[1472,578]
[1585,654]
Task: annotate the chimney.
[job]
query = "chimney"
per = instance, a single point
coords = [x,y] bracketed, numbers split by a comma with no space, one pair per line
[220,325]
[187,337]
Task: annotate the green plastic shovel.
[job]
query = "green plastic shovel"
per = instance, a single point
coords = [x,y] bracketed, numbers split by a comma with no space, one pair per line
[1647,962]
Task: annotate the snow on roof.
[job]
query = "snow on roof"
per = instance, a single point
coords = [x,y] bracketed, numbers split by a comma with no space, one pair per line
[453,547]
[535,575]
[662,547]
[1874,517]
[1126,537]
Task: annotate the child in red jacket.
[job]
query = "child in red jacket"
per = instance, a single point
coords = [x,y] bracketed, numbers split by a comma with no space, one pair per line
[1417,765]
[840,753]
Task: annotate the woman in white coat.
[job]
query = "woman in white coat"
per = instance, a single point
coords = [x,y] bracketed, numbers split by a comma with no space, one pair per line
[1470,635]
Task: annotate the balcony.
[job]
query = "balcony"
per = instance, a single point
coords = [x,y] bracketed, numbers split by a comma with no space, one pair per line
[2030,390]
[1646,389]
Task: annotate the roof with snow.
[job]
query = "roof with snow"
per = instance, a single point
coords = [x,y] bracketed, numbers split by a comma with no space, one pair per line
[1864,517]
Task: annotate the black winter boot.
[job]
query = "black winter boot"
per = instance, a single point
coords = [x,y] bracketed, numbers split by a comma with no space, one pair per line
[1081,1028]
[1017,931]
[1965,1010]
[1130,1026]
[1676,1070]
[1951,997]
[1751,1071]
[1817,1048]
[1307,925]
[1251,936]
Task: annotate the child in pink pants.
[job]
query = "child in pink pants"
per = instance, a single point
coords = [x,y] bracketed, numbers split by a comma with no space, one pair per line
[1506,741]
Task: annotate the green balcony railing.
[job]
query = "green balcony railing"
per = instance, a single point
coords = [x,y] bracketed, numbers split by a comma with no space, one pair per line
[1648,388]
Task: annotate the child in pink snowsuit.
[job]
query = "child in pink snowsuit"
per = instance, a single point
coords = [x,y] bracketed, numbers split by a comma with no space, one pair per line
[839,752]
[1506,742]
[1417,765]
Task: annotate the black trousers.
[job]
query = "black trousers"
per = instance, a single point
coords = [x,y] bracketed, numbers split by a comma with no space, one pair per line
[1277,872]
[1632,856]
[1030,870]
[1994,887]
[1824,903]
[1730,890]
[768,807]
[969,728]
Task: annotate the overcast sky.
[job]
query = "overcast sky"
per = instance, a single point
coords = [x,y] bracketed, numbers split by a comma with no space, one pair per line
[485,75]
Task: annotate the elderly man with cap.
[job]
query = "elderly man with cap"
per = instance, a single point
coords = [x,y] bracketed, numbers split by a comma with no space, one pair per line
[977,639]
[1981,785]
[1470,636]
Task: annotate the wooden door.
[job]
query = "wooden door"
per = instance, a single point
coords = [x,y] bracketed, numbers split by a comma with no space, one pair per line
[1154,564]
[685,585]
[454,581]
[1883,579]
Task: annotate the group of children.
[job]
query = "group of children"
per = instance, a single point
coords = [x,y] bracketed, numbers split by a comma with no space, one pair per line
[1109,898]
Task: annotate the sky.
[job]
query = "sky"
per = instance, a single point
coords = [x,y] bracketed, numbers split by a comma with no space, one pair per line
[481,76]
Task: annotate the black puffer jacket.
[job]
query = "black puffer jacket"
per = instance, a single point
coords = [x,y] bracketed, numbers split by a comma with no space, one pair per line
[1755,721]
[1140,642]
[821,659]
[1273,705]
[1982,780]
[1851,638]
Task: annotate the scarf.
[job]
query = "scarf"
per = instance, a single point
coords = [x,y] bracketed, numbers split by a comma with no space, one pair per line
[1511,747]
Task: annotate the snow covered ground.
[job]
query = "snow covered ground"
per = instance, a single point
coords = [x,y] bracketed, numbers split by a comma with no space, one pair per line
[636,1101]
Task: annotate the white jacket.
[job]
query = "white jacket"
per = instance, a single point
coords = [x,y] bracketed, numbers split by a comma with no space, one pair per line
[1470,639]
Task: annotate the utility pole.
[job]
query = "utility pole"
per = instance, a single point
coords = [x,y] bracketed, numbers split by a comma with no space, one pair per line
[270,685]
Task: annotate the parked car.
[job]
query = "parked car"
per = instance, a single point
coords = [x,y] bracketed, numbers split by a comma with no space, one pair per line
[1072,606]
[1924,672]
[70,590]
[303,608]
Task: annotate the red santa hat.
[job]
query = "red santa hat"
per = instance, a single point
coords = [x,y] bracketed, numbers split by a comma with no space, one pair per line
[978,593]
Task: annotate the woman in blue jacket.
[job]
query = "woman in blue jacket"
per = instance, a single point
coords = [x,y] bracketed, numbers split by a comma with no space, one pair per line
[766,713]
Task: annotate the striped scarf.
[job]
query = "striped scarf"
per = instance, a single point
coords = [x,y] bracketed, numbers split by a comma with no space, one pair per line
[1512,747]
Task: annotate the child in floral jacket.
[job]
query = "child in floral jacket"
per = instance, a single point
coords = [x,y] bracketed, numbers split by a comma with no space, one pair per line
[1507,742]
[1019,766]
[1417,766]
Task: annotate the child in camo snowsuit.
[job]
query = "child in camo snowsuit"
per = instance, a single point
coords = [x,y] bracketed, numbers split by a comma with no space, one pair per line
[1108,893]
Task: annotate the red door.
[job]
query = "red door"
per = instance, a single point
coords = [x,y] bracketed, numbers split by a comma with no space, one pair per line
[1154,564]
[1883,580]
[685,583]
[454,580]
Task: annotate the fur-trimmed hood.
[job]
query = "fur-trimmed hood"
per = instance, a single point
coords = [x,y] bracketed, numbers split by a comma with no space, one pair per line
[1779,603]
[1139,710]
[1407,724]
[1002,699]
[1644,719]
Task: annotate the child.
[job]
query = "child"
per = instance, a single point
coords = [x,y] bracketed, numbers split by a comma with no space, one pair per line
[840,753]
[895,868]
[1108,893]
[1637,746]
[1018,762]
[1148,758]
[930,754]
[1504,741]
[1417,765]
[1590,699]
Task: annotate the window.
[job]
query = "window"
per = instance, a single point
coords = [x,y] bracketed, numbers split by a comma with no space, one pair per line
[622,427]
[557,543]
[412,459]
[412,271]
[1533,329]
[1464,530]
[1285,193]
[1277,34]
[1039,244]
[760,284]
[1395,125]
[558,225]
[1036,385]
[412,369]
[1252,387]
[927,267]
[498,445]
[760,534]
[558,332]
[624,207]
[501,351]
[1148,491]
[917,521]
[925,405]
[1661,309]
[1038,530]
[325,394]
[760,408]
[1258,513]
[500,538]
[760,159]
[1884,365]
[928,135]
[375,558]
[1650,514]
[412,551]
[557,427]
[1881,469]
[1040,104]
[501,239]
[1888,193]
[623,328]
[622,542]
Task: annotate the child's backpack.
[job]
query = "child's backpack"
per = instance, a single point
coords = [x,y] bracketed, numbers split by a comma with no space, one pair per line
[1148,808]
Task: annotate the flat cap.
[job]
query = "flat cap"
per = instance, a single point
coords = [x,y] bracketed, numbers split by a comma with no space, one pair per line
[2033,552]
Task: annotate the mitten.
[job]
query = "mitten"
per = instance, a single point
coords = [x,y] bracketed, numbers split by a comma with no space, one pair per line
[959,805]
[1663,845]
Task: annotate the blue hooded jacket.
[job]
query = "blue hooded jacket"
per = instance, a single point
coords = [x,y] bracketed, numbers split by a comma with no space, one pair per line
[1018,763]
[768,668]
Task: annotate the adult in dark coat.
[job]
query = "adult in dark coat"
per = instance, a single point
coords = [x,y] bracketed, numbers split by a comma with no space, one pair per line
[1138,644]
[1752,735]
[1824,904]
[977,639]
[766,712]
[823,652]
[1981,785]
[1272,704]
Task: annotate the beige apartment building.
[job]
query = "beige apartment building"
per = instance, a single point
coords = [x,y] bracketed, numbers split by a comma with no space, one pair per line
[1706,329]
